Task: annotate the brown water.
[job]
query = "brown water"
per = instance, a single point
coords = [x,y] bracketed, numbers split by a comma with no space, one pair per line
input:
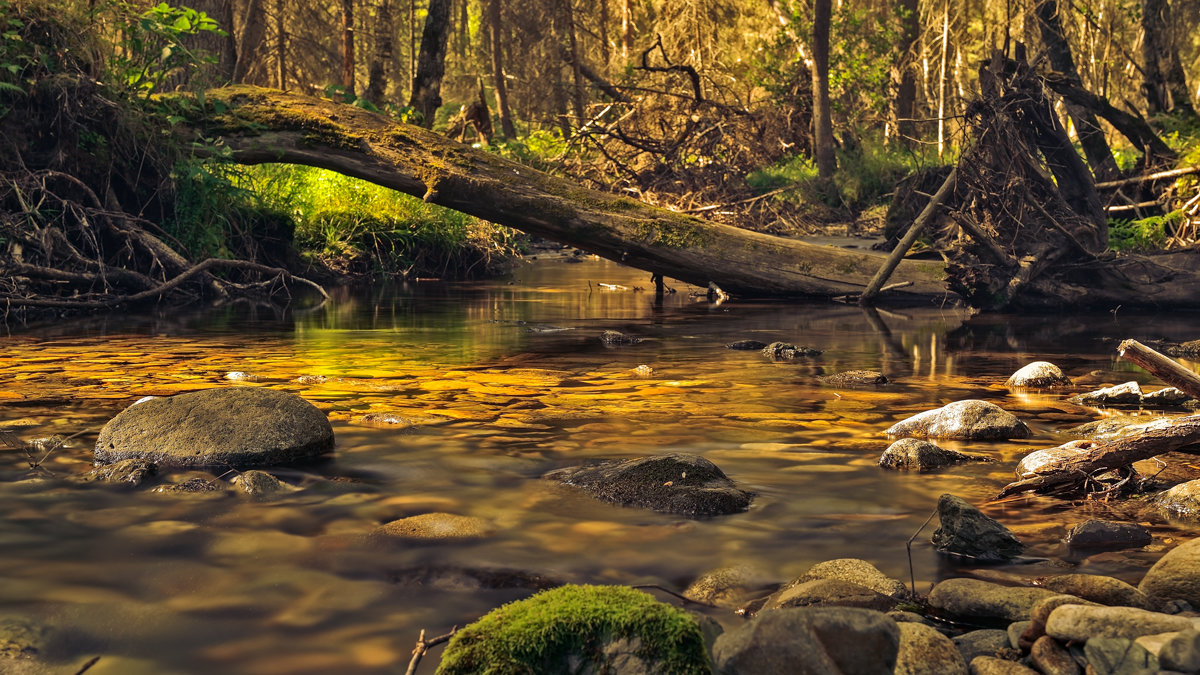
[490,394]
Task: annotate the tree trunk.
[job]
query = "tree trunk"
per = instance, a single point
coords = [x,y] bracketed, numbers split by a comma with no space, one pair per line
[822,117]
[253,32]
[626,29]
[496,29]
[1087,127]
[605,48]
[431,63]
[348,47]
[280,46]
[905,76]
[377,74]
[576,77]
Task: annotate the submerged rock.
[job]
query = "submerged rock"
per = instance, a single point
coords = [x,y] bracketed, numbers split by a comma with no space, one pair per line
[224,427]
[1122,394]
[261,485]
[1038,375]
[21,639]
[195,485]
[580,629]
[726,587]
[810,641]
[686,485]
[853,378]
[127,472]
[612,338]
[1183,500]
[965,420]
[1174,576]
[914,454]
[966,531]
[1107,534]
[746,345]
[241,376]
[436,526]
[782,351]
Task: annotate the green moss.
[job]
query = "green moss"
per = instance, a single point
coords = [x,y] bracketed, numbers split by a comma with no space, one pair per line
[538,634]
[680,234]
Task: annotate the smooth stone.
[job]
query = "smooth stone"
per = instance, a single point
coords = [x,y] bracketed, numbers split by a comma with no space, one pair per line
[686,485]
[963,420]
[858,572]
[1175,576]
[260,484]
[810,641]
[746,345]
[1181,652]
[436,527]
[783,351]
[1049,458]
[1081,622]
[1167,396]
[727,587]
[964,598]
[1122,394]
[1118,656]
[853,378]
[966,531]
[925,651]
[1108,534]
[828,593]
[1041,612]
[126,473]
[1015,630]
[1052,658]
[1038,375]
[1099,589]
[1111,427]
[915,454]
[1181,501]
[984,642]
[993,665]
[223,427]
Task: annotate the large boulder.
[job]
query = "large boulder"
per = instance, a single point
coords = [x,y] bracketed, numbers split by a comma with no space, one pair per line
[1108,534]
[964,420]
[1129,393]
[1038,375]
[1183,500]
[967,532]
[915,454]
[686,485]
[810,641]
[1174,576]
[1078,623]
[225,427]
[858,572]
[580,629]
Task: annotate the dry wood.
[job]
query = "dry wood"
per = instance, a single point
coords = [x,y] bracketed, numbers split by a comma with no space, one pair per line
[1173,173]
[1164,368]
[423,646]
[1149,440]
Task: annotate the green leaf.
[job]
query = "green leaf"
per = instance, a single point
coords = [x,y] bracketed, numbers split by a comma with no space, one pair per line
[5,86]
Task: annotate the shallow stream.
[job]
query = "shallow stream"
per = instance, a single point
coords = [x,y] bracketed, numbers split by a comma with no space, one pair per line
[449,397]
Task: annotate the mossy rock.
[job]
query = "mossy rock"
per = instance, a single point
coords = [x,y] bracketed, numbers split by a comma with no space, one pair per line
[579,629]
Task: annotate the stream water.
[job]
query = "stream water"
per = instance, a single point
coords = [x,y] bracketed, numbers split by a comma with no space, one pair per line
[486,386]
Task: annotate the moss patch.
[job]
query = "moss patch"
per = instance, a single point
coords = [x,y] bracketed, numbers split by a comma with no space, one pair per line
[539,634]
[672,235]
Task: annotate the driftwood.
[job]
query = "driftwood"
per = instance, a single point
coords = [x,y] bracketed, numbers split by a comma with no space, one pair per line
[1073,474]
[1161,367]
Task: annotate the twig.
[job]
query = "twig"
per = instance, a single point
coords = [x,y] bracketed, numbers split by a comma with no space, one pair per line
[1173,173]
[424,646]
[668,591]
[88,666]
[912,577]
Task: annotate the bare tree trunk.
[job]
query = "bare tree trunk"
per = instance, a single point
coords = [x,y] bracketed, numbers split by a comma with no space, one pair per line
[227,57]
[605,48]
[905,77]
[377,73]
[1087,127]
[626,29]
[280,45]
[822,117]
[576,77]
[941,123]
[496,28]
[348,46]
[1164,84]
[253,33]
[431,62]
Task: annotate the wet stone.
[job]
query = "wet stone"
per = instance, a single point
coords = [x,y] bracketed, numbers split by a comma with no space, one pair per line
[127,472]
[21,638]
[925,651]
[224,427]
[1080,622]
[1097,588]
[856,571]
[810,641]
[1047,459]
[1108,535]
[726,587]
[853,378]
[1122,394]
[310,379]
[964,420]
[1174,576]
[1181,652]
[1111,427]
[1181,501]
[435,527]
[968,532]
[1118,656]
[984,642]
[686,485]
[992,665]
[1038,375]
[983,601]
[1052,658]
[612,338]
[783,351]
[746,345]
[261,485]
[914,454]
[241,376]
[192,486]
[828,593]
[1167,396]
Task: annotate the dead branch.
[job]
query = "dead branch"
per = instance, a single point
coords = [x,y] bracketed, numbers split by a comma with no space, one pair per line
[423,646]
[1173,173]
[1162,367]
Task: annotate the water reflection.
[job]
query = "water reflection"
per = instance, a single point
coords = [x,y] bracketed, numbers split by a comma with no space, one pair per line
[455,398]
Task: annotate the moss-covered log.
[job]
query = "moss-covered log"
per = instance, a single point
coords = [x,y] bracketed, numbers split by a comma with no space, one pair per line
[261,125]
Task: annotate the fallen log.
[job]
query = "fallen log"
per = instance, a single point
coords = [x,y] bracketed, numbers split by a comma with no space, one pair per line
[1072,474]
[1162,367]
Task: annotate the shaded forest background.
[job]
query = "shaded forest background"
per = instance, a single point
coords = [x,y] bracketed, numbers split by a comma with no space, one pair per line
[791,118]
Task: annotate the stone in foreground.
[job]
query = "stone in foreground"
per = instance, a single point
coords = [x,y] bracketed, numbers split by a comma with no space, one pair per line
[229,427]
[1038,375]
[686,485]
[970,420]
[810,641]
[968,532]
[1174,576]
[983,601]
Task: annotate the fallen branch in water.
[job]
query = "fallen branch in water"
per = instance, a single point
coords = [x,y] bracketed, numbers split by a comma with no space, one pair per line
[423,646]
[1160,366]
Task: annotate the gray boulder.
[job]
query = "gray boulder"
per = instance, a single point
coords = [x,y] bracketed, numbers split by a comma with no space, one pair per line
[1167,396]
[984,642]
[964,420]
[915,454]
[856,571]
[1109,535]
[1118,656]
[925,651]
[810,641]
[1038,375]
[686,485]
[966,531]
[1122,394]
[1182,501]
[1174,576]
[853,378]
[223,427]
[984,601]
[1181,652]
[1099,589]
[1080,622]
